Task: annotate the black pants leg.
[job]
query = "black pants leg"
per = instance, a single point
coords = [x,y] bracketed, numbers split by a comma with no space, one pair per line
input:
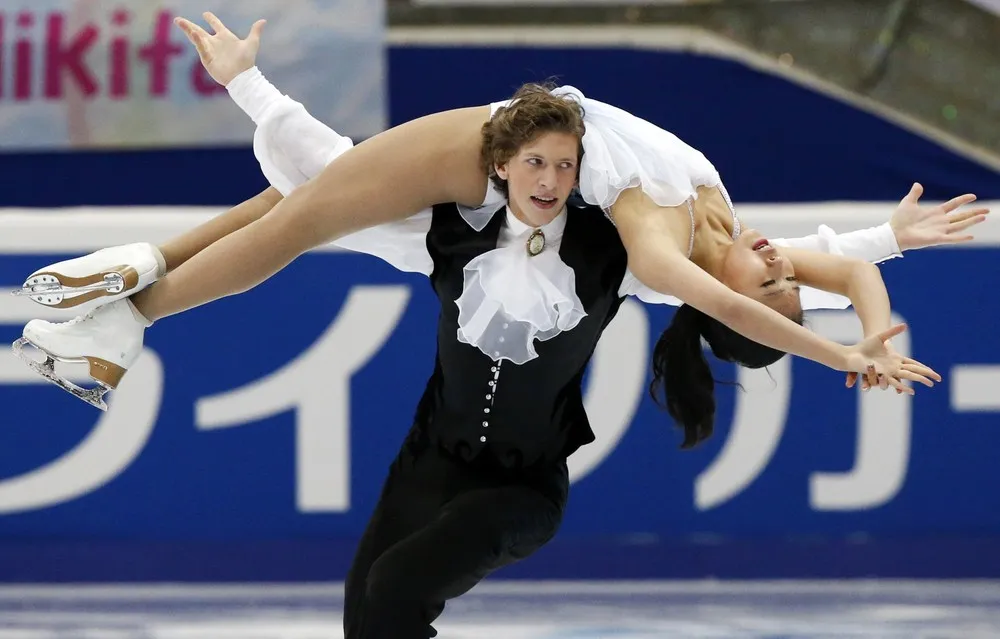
[440,527]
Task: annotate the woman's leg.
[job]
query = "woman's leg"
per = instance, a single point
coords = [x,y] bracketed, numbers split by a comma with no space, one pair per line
[70,284]
[183,247]
[386,178]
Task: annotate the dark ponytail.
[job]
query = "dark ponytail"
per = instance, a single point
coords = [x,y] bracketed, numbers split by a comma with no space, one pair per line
[682,379]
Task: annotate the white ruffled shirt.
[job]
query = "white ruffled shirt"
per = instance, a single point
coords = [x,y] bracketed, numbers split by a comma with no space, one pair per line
[509,298]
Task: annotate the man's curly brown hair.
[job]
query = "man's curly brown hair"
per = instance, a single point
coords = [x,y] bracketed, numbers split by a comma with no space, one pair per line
[533,111]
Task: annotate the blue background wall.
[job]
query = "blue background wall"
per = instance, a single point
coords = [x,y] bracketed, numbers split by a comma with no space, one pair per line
[220,504]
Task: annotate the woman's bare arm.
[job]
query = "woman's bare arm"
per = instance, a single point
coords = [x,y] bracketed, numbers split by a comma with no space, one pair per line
[653,240]
[859,281]
[657,261]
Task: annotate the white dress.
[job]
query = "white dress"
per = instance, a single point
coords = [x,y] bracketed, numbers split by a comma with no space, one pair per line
[505,286]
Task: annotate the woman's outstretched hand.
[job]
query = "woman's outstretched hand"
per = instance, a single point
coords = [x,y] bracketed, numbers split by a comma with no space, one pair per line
[878,364]
[917,226]
[224,55]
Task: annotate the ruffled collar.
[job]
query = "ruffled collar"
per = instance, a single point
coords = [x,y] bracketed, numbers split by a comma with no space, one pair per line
[510,298]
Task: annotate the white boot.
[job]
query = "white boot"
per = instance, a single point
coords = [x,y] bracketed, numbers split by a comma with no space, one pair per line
[101,277]
[108,340]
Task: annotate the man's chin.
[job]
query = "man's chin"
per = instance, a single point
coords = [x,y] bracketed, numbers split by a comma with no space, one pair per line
[542,215]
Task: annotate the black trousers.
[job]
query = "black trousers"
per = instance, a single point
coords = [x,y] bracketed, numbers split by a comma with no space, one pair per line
[441,525]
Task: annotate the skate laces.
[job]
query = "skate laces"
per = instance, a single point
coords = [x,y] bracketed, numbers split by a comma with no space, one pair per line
[80,318]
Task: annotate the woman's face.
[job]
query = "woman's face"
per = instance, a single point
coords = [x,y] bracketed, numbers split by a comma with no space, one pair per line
[758,270]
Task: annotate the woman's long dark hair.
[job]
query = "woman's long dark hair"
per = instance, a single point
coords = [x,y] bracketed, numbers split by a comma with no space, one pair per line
[682,380]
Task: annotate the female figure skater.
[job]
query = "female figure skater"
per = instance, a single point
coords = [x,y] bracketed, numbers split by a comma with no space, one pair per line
[481,479]
[622,154]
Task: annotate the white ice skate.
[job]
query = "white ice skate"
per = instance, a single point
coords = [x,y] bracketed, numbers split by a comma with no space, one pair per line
[108,340]
[104,276]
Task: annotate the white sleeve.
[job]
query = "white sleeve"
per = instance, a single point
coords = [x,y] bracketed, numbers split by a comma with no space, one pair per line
[875,244]
[290,144]
[293,147]
[402,244]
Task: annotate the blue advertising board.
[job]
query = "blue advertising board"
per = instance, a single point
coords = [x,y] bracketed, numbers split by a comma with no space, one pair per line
[251,439]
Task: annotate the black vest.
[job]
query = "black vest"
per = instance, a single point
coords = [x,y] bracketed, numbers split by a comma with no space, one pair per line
[520,415]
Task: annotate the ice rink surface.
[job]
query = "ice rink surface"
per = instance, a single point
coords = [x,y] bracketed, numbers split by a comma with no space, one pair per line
[519,609]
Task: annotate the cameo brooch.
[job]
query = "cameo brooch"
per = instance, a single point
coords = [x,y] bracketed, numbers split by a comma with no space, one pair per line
[536,242]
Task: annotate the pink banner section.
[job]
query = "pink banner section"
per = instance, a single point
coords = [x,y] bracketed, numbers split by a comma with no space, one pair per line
[107,73]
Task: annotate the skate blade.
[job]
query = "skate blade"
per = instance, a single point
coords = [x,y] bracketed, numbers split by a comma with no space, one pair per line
[51,289]
[93,396]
